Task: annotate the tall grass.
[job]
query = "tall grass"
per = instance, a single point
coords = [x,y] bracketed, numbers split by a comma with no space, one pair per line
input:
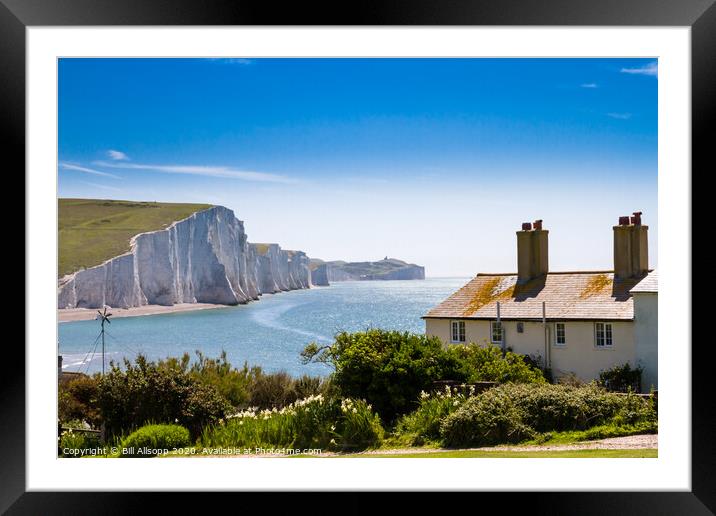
[313,422]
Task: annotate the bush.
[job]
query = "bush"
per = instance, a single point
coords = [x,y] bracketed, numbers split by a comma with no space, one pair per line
[423,425]
[77,400]
[232,384]
[487,419]
[162,392]
[621,378]
[389,369]
[150,440]
[273,390]
[513,412]
[250,386]
[472,363]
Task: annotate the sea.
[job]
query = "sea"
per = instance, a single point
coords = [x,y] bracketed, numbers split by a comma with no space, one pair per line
[270,333]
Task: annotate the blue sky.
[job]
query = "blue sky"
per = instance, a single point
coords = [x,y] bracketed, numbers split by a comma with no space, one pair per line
[436,161]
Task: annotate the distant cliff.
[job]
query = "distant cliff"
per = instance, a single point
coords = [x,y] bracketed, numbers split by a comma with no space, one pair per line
[204,258]
[386,269]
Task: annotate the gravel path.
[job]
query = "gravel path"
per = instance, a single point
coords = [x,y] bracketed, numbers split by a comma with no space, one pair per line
[632,442]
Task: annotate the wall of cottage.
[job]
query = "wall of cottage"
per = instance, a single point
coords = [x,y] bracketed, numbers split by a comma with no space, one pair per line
[646,337]
[579,355]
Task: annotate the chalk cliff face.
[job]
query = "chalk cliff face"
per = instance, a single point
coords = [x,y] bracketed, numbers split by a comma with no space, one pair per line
[319,275]
[205,258]
[281,270]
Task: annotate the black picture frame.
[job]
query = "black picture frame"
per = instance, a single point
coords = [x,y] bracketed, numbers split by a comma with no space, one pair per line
[699,15]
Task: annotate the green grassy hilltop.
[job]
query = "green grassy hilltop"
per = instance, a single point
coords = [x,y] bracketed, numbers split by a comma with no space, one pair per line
[91,231]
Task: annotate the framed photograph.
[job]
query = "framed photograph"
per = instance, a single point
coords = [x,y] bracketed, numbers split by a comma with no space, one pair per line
[421,248]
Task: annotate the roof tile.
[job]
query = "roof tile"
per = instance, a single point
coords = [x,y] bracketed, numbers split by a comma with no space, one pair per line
[567,295]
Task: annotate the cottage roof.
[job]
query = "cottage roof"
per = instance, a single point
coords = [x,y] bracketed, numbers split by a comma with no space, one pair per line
[649,284]
[567,295]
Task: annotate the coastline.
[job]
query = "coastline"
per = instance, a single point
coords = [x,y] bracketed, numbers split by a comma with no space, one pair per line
[88,314]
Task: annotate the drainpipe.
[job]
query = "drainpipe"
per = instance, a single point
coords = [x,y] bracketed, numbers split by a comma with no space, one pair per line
[547,360]
[499,325]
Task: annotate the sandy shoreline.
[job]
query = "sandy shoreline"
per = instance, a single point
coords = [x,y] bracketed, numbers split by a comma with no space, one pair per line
[88,314]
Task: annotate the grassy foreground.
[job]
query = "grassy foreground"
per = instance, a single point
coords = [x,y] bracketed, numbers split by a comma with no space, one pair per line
[537,454]
[91,231]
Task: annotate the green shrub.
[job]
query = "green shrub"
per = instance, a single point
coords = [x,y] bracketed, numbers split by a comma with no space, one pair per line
[389,369]
[273,390]
[232,384]
[621,378]
[487,419]
[162,392]
[77,400]
[511,413]
[423,425]
[472,363]
[150,440]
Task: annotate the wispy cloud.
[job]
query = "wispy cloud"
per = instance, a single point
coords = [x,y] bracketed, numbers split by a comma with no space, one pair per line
[648,69]
[620,116]
[70,166]
[589,85]
[210,171]
[232,60]
[103,187]
[117,155]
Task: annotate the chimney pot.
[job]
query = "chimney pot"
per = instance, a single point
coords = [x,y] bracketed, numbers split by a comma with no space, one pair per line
[526,226]
[624,221]
[636,219]
[538,224]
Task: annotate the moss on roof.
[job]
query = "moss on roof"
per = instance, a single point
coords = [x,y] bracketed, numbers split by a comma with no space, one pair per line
[596,285]
[487,293]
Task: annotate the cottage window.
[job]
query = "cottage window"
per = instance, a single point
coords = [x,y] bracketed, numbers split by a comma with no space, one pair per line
[496,332]
[603,333]
[457,331]
[560,334]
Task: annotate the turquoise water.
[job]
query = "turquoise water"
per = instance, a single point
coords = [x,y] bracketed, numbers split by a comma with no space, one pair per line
[269,333]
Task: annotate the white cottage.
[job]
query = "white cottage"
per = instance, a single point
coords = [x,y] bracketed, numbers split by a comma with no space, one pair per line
[572,322]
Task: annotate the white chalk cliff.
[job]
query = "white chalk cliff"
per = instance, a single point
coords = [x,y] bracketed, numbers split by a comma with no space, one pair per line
[204,258]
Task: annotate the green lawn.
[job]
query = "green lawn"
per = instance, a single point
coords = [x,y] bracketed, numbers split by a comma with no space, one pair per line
[94,230]
[477,454]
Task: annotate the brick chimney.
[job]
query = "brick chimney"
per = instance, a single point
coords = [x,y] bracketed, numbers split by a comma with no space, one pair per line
[532,256]
[631,248]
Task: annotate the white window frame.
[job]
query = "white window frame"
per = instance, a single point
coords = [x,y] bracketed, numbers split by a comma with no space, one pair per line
[460,332]
[607,331]
[556,334]
[493,324]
